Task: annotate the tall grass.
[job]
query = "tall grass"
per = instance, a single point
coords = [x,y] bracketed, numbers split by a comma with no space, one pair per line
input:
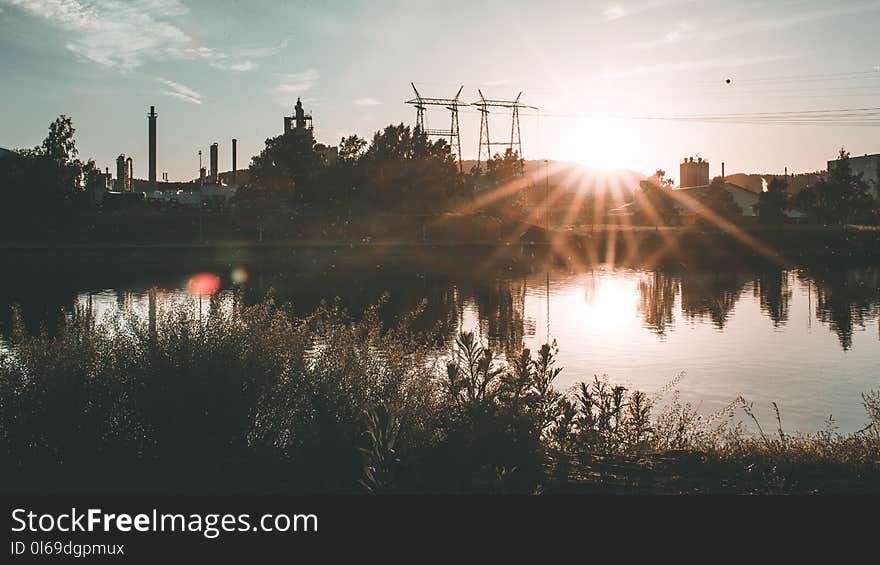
[257,399]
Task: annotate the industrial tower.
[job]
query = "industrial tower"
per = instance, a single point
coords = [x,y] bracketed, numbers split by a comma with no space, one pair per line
[215,163]
[452,104]
[483,105]
[234,160]
[152,134]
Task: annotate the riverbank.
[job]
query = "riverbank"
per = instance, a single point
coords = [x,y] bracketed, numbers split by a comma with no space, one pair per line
[256,399]
[625,242]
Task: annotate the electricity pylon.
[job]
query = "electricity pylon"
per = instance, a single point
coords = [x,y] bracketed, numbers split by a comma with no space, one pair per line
[421,104]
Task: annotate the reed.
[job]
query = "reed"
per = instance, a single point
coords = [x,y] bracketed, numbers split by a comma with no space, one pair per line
[253,398]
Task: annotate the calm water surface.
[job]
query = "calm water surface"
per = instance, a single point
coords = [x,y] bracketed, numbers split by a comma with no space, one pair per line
[806,339]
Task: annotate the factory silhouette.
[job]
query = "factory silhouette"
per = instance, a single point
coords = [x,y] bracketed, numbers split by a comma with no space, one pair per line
[217,188]
[407,177]
[212,187]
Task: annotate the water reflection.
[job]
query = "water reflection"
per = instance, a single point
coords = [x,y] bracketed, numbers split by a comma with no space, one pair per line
[712,294]
[843,299]
[773,291]
[846,299]
[658,291]
[728,325]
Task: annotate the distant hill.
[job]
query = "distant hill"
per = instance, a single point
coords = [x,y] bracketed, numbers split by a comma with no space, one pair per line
[755,182]
[577,177]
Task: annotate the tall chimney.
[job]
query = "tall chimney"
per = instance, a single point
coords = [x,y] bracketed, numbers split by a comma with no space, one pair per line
[215,174]
[722,170]
[234,158]
[152,120]
[120,173]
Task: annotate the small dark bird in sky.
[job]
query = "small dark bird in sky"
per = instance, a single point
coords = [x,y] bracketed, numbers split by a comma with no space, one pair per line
[727,81]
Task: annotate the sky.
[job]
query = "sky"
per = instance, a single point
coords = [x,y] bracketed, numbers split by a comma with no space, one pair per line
[607,76]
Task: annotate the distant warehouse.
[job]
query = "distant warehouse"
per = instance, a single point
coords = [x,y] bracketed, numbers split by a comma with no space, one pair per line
[867,165]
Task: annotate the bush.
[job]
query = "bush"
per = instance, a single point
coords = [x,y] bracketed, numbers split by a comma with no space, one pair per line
[256,399]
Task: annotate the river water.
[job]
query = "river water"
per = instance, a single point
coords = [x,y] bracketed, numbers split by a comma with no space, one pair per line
[805,338]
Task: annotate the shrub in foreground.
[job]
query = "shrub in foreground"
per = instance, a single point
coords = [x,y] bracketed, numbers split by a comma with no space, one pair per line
[256,399]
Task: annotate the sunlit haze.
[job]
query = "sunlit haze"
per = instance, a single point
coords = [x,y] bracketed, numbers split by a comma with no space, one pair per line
[607,76]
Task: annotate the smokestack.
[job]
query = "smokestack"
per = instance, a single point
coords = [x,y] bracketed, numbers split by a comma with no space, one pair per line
[152,133]
[120,173]
[215,173]
[722,170]
[129,175]
[234,158]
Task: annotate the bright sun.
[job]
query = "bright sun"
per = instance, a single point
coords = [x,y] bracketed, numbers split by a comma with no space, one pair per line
[602,143]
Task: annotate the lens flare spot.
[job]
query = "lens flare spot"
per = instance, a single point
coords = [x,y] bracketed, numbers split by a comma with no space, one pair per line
[203,284]
[239,275]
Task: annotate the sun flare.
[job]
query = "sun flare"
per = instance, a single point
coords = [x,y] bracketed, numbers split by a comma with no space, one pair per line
[609,301]
[600,142]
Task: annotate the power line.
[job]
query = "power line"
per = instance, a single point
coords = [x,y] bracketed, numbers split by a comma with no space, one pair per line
[853,75]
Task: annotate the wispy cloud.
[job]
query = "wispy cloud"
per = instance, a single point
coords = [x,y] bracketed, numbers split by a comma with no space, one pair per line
[180,91]
[619,11]
[260,52]
[125,34]
[240,67]
[794,19]
[296,83]
[681,31]
[615,12]
[366,102]
[694,64]
[241,59]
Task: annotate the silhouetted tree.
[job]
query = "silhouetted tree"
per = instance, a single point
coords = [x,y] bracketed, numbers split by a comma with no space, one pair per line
[351,149]
[288,166]
[60,145]
[840,197]
[502,169]
[720,203]
[656,205]
[39,186]
[401,171]
[773,202]
[407,172]
[502,172]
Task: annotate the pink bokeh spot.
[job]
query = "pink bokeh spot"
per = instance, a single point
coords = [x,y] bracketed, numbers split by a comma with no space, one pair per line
[203,284]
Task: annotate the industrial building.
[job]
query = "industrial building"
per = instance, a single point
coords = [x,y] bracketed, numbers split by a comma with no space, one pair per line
[212,188]
[152,140]
[868,166]
[209,190]
[693,173]
[300,124]
[694,183]
[124,174]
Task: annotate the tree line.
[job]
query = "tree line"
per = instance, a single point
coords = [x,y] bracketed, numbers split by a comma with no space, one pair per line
[841,196]
[399,171]
[43,186]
